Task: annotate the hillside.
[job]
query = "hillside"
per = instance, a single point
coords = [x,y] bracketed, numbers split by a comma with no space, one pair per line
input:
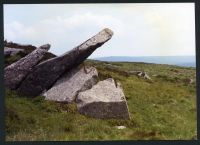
[164,109]
[186,61]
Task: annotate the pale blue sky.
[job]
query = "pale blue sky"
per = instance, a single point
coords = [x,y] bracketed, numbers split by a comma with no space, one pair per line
[147,29]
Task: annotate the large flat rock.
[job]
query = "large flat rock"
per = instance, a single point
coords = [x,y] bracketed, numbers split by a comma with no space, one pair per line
[15,73]
[104,100]
[46,73]
[74,81]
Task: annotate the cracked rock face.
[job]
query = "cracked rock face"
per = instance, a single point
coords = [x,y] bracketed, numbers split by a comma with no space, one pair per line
[103,100]
[46,73]
[74,81]
[15,73]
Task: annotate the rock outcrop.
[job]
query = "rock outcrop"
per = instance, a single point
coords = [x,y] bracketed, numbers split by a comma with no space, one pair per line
[46,73]
[103,100]
[15,73]
[64,79]
[71,83]
[7,53]
[12,51]
[27,47]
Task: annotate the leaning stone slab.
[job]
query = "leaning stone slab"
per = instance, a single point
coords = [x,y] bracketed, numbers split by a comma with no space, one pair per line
[16,72]
[103,100]
[46,73]
[71,83]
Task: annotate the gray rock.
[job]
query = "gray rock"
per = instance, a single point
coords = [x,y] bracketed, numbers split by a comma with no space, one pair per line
[12,51]
[45,47]
[46,73]
[146,76]
[7,53]
[142,75]
[103,100]
[48,55]
[16,72]
[15,48]
[12,59]
[74,81]
[189,81]
[26,47]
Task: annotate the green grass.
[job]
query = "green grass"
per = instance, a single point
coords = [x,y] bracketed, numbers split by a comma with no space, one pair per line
[164,109]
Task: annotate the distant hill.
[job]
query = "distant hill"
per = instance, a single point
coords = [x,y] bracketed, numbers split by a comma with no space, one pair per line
[187,61]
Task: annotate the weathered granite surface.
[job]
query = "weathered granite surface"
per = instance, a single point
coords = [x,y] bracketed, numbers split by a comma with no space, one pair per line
[46,73]
[103,100]
[15,73]
[71,83]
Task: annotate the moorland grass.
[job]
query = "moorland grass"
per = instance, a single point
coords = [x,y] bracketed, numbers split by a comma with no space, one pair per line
[164,109]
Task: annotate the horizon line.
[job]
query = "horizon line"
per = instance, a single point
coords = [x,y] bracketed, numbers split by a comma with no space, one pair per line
[147,56]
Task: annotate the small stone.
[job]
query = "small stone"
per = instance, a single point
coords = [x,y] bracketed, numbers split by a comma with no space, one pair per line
[120,127]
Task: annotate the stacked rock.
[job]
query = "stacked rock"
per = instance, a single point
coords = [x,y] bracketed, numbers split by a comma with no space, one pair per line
[63,79]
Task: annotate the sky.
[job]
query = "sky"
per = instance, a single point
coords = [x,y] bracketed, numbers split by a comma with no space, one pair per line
[140,29]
